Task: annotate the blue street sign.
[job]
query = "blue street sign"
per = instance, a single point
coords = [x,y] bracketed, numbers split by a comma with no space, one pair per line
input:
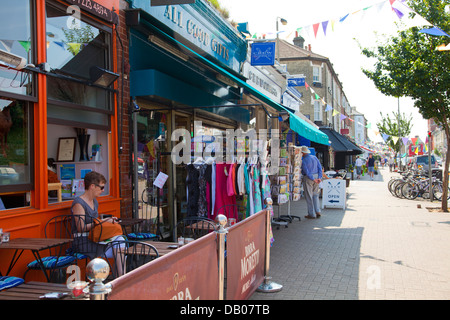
[263,54]
[296,82]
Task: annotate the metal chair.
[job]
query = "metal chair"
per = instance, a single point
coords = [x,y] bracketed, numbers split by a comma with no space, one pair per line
[195,227]
[57,227]
[82,247]
[148,228]
[126,255]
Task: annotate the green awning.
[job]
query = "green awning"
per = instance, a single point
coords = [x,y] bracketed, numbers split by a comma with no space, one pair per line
[297,124]
[306,130]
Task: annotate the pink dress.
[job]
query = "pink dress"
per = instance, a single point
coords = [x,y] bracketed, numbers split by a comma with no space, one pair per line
[222,197]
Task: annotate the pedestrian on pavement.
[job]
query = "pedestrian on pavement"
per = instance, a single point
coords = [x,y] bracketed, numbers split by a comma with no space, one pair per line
[371,165]
[358,164]
[312,176]
[391,164]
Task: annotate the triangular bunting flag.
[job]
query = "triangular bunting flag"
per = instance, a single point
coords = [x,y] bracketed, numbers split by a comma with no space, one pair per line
[369,125]
[26,45]
[395,139]
[306,85]
[317,96]
[434,32]
[324,26]
[332,25]
[75,47]
[328,108]
[335,113]
[342,117]
[417,150]
[343,18]
[316,28]
[385,136]
[405,141]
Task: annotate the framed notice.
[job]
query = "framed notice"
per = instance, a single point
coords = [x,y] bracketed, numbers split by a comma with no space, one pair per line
[66,149]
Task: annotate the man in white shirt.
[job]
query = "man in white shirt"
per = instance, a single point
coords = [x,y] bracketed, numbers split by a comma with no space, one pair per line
[358,164]
[391,163]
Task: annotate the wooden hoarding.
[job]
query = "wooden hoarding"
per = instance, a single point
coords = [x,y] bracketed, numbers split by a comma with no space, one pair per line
[246,243]
[187,273]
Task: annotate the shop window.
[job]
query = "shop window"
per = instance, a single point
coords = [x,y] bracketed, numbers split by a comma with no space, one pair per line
[15,153]
[16,38]
[76,47]
[90,153]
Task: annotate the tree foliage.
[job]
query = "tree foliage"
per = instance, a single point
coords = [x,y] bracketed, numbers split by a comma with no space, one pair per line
[391,127]
[408,64]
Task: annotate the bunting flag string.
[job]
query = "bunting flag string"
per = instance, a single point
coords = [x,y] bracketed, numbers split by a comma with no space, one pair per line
[343,117]
[398,7]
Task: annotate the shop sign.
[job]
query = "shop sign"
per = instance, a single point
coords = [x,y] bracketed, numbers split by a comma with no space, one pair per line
[263,54]
[333,193]
[260,81]
[168,2]
[96,9]
[192,22]
[296,82]
[290,102]
[246,256]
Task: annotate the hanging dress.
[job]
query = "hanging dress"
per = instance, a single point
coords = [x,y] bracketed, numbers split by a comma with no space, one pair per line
[192,190]
[222,198]
[202,202]
[257,189]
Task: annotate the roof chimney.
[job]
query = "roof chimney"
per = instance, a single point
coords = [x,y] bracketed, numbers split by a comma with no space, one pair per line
[298,40]
[309,47]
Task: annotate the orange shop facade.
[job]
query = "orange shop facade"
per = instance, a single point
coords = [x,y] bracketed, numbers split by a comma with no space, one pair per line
[59,100]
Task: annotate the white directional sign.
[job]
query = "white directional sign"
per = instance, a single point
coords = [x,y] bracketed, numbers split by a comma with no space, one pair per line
[333,193]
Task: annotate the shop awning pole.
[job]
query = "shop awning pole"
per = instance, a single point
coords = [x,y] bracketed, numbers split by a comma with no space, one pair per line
[135,166]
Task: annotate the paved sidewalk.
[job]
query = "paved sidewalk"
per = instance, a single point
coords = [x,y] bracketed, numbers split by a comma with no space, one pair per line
[380,247]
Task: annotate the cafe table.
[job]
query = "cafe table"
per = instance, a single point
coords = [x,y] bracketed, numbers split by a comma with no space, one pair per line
[129,222]
[34,290]
[163,247]
[35,245]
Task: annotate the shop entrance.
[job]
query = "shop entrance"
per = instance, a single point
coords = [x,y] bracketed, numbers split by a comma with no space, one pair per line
[150,143]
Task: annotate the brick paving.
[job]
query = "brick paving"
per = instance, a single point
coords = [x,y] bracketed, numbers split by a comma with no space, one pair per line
[379,248]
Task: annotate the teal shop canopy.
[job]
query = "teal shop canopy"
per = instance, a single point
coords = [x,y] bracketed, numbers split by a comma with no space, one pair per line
[297,124]
[306,130]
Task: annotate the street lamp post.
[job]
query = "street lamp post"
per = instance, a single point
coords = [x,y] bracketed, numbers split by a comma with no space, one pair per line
[283,22]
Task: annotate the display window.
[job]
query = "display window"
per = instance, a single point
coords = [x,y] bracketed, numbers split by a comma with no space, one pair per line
[78,54]
[15,153]
[16,39]
[80,100]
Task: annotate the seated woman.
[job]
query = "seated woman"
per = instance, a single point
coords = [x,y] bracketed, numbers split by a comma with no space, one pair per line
[86,206]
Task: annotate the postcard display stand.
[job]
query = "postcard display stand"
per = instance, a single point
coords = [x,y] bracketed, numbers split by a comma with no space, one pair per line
[282,183]
[296,158]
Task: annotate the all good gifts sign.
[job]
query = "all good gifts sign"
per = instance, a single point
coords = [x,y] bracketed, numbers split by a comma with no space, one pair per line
[246,256]
[333,193]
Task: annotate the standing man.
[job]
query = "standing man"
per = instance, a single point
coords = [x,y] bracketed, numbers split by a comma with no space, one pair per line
[391,163]
[312,175]
[358,164]
[371,165]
